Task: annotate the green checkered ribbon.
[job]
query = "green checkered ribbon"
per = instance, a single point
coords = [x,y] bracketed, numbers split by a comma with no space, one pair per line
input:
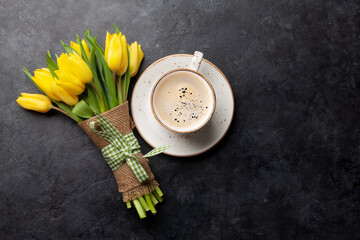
[122,147]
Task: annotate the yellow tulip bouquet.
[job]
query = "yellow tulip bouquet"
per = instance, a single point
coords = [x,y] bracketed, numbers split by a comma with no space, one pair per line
[90,85]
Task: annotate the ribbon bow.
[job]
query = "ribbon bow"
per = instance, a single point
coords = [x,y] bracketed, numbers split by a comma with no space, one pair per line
[122,147]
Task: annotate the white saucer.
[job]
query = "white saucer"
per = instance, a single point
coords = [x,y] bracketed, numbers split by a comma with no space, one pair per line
[190,144]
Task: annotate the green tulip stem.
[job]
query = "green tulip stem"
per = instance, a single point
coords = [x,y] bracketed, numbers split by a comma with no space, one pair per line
[160,199]
[115,82]
[139,209]
[159,192]
[143,203]
[63,112]
[123,87]
[119,91]
[114,77]
[153,198]
[150,204]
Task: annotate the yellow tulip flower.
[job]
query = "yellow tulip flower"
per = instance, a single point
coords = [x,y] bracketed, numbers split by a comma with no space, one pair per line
[113,51]
[136,56]
[125,59]
[65,96]
[35,102]
[69,82]
[43,79]
[73,63]
[76,46]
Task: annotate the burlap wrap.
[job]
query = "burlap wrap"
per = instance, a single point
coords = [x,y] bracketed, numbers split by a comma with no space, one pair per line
[128,185]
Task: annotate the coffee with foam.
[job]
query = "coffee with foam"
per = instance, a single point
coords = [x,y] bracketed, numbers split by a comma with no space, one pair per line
[183,101]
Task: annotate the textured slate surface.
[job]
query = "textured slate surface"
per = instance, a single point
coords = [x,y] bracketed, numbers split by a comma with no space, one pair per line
[287,169]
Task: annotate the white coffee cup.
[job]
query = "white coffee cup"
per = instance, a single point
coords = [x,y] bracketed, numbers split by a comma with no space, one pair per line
[183,100]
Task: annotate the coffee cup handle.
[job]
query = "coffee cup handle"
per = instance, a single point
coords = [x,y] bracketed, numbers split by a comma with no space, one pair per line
[196,61]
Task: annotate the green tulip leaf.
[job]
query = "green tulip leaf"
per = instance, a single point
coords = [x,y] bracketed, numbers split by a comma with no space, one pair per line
[68,49]
[50,62]
[83,110]
[52,65]
[116,29]
[92,99]
[82,50]
[99,90]
[105,72]
[27,73]
[127,80]
[53,74]
[93,40]
[97,99]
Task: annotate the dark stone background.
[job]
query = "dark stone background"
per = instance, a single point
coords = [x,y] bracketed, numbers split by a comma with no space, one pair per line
[287,169]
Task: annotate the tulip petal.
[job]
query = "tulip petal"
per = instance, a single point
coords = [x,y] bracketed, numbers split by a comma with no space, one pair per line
[64,95]
[86,48]
[141,54]
[107,43]
[72,89]
[41,97]
[64,63]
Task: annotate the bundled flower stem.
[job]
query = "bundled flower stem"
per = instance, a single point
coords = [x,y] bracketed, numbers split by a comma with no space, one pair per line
[90,85]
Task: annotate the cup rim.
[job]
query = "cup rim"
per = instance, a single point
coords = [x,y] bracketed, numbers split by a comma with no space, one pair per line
[152,100]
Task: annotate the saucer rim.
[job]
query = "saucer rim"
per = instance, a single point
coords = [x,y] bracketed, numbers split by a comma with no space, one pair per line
[232,97]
